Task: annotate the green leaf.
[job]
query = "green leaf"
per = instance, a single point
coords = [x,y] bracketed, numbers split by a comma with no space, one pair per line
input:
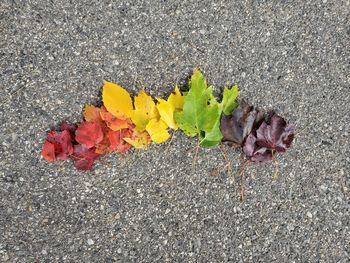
[200,112]
[227,105]
[229,99]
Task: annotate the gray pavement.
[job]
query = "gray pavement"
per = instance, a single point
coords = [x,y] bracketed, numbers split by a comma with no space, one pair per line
[154,206]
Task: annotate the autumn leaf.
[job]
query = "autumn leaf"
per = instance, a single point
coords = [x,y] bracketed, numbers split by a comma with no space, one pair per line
[237,126]
[91,113]
[229,99]
[113,122]
[57,146]
[167,108]
[117,143]
[276,135]
[117,100]
[138,139]
[157,130]
[84,157]
[198,115]
[256,153]
[89,134]
[145,110]
[177,99]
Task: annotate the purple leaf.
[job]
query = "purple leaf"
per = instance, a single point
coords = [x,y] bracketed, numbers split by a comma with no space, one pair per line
[277,135]
[254,152]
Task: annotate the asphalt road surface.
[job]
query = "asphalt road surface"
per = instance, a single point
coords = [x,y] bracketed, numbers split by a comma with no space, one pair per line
[154,205]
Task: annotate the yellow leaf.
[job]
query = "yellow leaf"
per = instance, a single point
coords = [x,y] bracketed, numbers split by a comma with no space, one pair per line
[177,99]
[145,110]
[117,100]
[138,139]
[157,130]
[140,119]
[166,111]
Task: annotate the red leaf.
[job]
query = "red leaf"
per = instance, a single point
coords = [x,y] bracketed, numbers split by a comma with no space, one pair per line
[117,142]
[69,127]
[89,134]
[84,157]
[48,151]
[58,146]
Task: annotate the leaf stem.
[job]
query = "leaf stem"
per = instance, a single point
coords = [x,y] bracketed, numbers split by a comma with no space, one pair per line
[275,161]
[242,177]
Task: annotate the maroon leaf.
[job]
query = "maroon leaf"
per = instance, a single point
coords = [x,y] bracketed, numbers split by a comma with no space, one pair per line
[84,157]
[236,127]
[277,135]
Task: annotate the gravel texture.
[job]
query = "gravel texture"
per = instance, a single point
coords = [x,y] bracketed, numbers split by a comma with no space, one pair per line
[154,205]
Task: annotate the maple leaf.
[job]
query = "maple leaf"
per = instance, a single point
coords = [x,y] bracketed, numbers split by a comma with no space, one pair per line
[272,136]
[89,134]
[227,105]
[157,130]
[276,135]
[117,143]
[229,99]
[200,112]
[92,113]
[113,122]
[236,127]
[58,146]
[84,157]
[145,110]
[256,153]
[117,100]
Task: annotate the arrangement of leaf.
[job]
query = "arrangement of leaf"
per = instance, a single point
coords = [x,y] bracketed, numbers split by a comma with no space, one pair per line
[124,122]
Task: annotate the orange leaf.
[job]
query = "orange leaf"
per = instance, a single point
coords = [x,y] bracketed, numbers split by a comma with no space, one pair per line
[91,113]
[117,143]
[113,122]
